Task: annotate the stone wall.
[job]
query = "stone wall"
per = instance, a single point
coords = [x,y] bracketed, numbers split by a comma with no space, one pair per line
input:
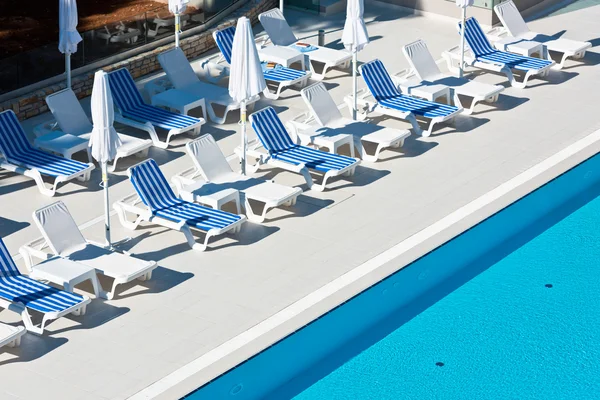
[33,103]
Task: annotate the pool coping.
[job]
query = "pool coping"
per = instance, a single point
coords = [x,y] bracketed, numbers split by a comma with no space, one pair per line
[288,320]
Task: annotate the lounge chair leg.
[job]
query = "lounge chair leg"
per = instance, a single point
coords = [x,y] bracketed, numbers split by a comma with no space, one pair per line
[146,277]
[513,81]
[155,140]
[563,60]
[213,115]
[192,240]
[415,125]
[371,157]
[123,218]
[142,154]
[252,216]
[307,178]
[458,103]
[111,295]
[29,323]
[113,167]
[37,178]
[267,93]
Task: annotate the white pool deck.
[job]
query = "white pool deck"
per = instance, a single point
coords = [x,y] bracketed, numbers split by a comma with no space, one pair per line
[198,301]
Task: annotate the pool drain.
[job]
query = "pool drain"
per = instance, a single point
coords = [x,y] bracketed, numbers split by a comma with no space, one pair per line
[439,364]
[548,285]
[236,389]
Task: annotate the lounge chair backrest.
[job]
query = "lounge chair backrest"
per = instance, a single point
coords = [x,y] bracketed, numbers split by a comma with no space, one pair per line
[478,42]
[152,186]
[178,68]
[7,265]
[321,104]
[421,60]
[277,28]
[270,130]
[208,158]
[12,137]
[68,113]
[378,80]
[125,94]
[59,228]
[511,18]
[224,41]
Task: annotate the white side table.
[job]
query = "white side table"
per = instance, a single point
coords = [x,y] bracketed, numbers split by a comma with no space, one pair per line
[62,143]
[320,138]
[156,86]
[66,273]
[44,128]
[430,92]
[211,195]
[179,101]
[283,55]
[522,47]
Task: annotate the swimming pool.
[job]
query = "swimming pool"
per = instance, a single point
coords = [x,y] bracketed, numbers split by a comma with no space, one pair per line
[508,309]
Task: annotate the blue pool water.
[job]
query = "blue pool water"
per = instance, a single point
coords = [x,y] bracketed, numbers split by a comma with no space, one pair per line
[510,309]
[504,334]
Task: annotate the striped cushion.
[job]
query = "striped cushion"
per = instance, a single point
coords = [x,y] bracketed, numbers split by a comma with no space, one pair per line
[483,50]
[314,159]
[274,138]
[17,150]
[124,91]
[224,40]
[129,100]
[282,74]
[7,265]
[386,93]
[161,117]
[270,130]
[152,187]
[38,296]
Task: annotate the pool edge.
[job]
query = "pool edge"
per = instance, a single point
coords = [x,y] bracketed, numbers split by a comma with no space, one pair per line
[254,340]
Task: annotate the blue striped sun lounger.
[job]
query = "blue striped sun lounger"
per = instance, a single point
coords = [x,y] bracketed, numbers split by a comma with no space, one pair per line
[487,57]
[285,154]
[389,100]
[20,293]
[161,206]
[19,156]
[133,111]
[277,74]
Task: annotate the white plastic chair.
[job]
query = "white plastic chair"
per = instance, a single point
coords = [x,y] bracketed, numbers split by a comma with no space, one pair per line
[72,120]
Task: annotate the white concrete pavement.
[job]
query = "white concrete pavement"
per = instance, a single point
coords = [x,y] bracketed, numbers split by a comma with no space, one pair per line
[197,301]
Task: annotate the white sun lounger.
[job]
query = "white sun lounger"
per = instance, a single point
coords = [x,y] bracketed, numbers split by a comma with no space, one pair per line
[515,26]
[72,120]
[384,97]
[276,75]
[155,202]
[324,119]
[182,76]
[212,173]
[281,34]
[132,110]
[483,55]
[160,22]
[17,155]
[10,335]
[64,239]
[18,293]
[120,34]
[285,154]
[425,72]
